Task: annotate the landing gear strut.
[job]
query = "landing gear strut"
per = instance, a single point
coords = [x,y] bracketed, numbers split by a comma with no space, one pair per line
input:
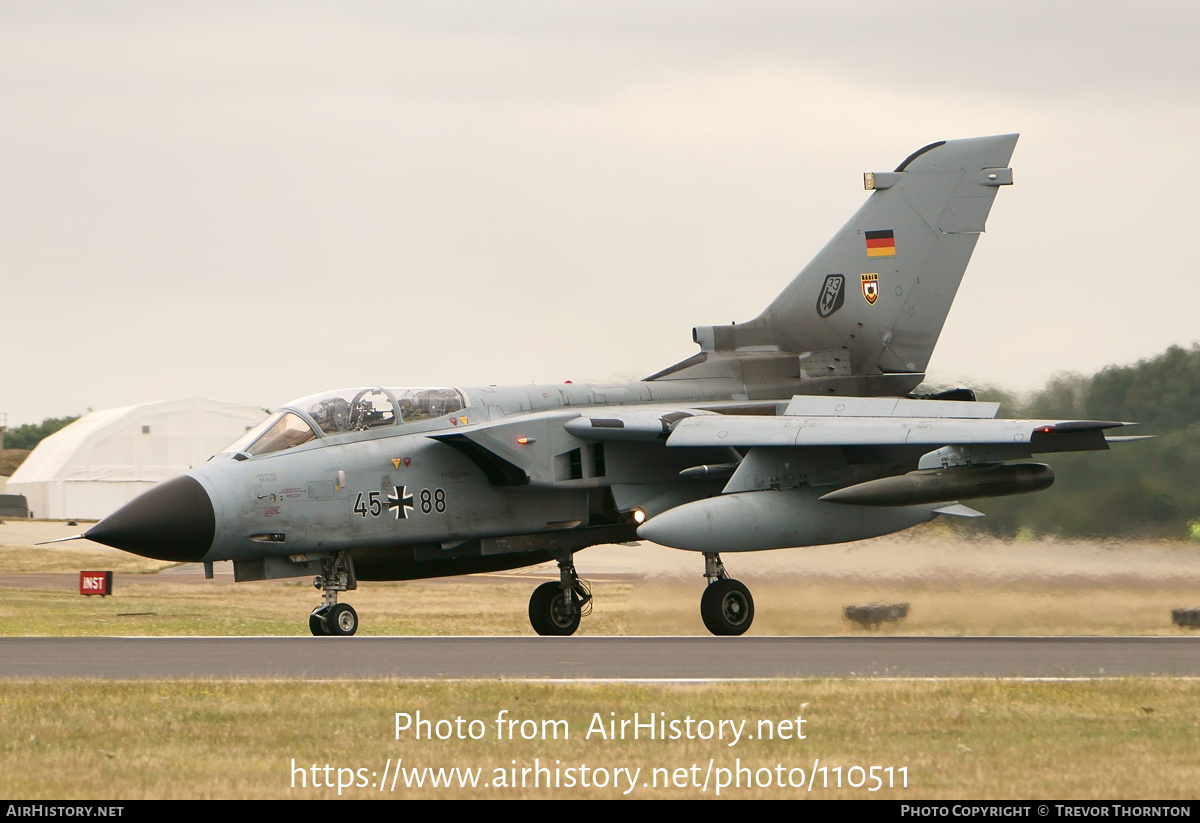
[332,617]
[726,605]
[556,608]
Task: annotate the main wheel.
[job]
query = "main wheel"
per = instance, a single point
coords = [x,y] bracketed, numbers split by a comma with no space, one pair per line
[548,611]
[342,620]
[727,607]
[316,622]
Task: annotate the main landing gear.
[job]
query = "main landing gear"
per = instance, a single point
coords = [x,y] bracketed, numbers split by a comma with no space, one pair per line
[332,617]
[556,608]
[726,605]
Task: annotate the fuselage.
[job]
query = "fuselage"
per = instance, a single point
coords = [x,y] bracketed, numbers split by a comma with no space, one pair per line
[398,478]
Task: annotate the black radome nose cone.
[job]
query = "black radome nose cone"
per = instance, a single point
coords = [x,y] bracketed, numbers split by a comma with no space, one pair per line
[172,521]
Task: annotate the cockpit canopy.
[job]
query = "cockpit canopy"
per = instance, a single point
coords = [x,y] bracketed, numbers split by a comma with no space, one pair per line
[348,411]
[343,411]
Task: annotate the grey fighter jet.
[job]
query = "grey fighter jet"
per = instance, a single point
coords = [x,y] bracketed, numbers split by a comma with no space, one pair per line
[797,428]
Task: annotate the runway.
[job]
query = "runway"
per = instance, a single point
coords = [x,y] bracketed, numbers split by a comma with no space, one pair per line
[596,658]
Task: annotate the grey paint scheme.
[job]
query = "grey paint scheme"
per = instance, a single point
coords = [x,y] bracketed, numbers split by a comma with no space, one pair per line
[805,398]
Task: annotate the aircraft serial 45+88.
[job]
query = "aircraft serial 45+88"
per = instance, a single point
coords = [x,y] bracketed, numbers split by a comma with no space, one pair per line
[797,428]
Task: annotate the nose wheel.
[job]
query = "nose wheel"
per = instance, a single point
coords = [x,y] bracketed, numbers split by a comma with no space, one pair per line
[332,618]
[726,605]
[339,621]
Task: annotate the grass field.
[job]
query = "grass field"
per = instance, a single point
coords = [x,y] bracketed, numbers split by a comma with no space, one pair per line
[1119,739]
[952,588]
[498,606]
[1110,739]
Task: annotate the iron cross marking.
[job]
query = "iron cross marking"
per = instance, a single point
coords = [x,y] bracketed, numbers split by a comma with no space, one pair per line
[400,501]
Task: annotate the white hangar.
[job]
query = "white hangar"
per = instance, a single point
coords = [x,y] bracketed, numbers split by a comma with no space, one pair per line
[92,467]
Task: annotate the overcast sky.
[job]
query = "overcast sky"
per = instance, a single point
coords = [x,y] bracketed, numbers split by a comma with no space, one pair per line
[255,201]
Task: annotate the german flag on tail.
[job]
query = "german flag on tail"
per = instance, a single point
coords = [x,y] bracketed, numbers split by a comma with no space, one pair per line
[881,243]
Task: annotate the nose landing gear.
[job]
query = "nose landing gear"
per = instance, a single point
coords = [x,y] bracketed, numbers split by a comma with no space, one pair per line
[332,617]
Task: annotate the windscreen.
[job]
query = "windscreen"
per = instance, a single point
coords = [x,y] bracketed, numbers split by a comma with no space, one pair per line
[278,432]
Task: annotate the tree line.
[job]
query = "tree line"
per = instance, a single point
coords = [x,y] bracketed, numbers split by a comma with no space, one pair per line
[1148,488]
[28,435]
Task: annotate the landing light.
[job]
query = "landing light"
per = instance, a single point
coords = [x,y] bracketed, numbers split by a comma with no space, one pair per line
[639,516]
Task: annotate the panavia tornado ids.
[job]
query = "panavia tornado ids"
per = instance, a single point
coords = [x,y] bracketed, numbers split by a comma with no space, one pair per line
[796,428]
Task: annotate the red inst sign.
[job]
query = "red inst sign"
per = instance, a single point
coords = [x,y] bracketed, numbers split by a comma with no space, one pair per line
[95,583]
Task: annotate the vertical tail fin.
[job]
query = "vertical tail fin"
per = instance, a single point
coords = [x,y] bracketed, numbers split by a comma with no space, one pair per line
[880,290]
